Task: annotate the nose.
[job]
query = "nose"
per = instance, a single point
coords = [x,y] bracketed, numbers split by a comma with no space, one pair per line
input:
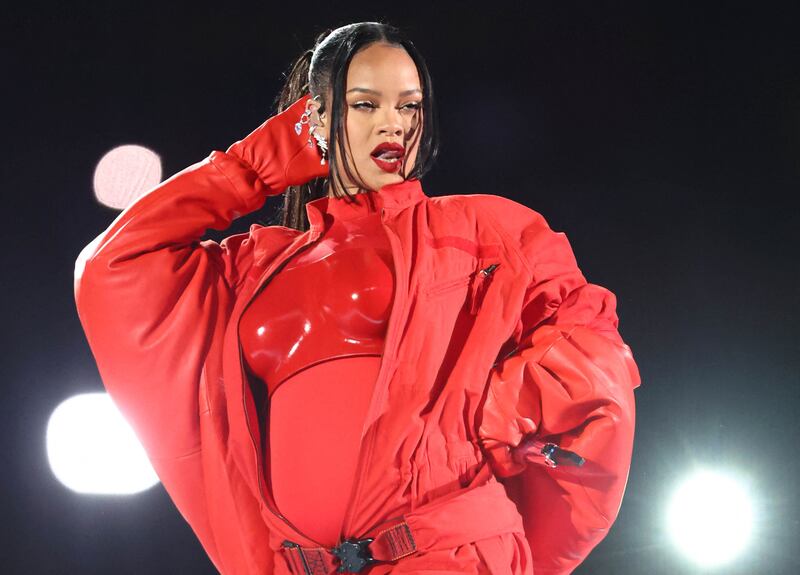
[390,123]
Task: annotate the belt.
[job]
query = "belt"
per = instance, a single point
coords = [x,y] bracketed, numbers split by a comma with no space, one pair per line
[460,517]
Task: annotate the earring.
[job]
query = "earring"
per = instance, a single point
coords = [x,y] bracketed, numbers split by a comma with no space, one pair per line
[305,118]
[323,146]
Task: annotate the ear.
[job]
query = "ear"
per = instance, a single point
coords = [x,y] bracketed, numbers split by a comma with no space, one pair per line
[316,119]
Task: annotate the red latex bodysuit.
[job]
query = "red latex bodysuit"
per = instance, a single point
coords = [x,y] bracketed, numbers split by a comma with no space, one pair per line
[314,336]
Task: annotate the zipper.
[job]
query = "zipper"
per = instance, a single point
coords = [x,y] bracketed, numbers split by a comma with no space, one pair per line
[478,287]
[386,363]
[477,278]
[245,380]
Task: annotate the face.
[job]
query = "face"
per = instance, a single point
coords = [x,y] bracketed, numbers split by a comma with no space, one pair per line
[383,106]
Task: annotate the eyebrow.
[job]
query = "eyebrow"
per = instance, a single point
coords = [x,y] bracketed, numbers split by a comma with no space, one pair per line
[377,93]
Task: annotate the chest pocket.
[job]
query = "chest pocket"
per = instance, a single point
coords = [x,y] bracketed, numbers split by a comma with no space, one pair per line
[443,287]
[470,286]
[468,268]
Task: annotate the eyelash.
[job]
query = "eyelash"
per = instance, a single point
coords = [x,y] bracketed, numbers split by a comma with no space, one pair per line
[369,105]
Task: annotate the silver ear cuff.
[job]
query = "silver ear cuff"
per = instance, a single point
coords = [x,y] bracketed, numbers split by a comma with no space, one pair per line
[322,143]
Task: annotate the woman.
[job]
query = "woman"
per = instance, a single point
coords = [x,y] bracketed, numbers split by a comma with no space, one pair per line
[411,384]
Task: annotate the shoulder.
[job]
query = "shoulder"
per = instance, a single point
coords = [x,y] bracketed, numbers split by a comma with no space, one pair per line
[511,215]
[524,229]
[521,225]
[499,209]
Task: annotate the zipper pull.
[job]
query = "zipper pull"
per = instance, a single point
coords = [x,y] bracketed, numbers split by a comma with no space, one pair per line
[532,449]
[555,456]
[478,287]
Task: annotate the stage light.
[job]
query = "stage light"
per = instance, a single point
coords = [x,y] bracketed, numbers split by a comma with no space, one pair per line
[92,449]
[710,518]
[124,174]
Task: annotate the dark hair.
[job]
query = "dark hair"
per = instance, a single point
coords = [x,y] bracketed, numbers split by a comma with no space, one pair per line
[323,70]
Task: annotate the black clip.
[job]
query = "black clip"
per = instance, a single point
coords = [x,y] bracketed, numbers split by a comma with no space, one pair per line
[555,456]
[354,555]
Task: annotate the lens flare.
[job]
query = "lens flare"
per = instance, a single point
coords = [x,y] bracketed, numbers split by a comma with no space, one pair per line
[710,518]
[124,174]
[92,449]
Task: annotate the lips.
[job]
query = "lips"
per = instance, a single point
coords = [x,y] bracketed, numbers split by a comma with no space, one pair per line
[389,149]
[388,156]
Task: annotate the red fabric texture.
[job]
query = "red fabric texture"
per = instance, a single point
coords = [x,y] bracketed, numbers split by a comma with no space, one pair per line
[315,422]
[494,336]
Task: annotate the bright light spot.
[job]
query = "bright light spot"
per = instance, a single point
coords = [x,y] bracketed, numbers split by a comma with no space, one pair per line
[710,518]
[92,449]
[124,174]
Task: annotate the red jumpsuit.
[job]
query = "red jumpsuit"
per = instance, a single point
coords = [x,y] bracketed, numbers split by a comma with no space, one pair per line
[495,344]
[318,353]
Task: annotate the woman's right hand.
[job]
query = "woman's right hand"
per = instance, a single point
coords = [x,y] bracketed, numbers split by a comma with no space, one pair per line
[279,155]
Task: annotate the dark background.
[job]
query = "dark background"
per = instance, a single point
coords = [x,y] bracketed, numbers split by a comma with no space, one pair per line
[664,139]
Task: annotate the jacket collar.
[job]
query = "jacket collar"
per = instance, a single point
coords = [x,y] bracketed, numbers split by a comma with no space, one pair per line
[392,196]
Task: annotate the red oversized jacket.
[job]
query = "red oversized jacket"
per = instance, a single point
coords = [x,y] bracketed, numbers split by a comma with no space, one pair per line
[473,363]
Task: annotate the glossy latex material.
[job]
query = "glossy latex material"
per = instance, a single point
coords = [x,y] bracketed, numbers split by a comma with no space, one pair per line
[330,300]
[472,365]
[314,337]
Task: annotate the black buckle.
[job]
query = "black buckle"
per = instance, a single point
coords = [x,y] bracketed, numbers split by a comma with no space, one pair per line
[354,555]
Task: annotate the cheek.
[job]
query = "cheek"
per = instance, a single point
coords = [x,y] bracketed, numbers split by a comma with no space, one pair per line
[357,138]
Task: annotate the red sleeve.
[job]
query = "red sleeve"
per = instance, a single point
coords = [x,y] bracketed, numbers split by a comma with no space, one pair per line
[150,295]
[154,299]
[569,382]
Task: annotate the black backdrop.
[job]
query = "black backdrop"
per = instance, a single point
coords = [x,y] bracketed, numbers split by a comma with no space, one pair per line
[663,139]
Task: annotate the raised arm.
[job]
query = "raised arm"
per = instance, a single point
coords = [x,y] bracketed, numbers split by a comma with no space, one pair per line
[569,383]
[150,294]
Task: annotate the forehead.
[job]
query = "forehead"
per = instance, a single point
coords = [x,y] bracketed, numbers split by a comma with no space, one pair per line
[388,69]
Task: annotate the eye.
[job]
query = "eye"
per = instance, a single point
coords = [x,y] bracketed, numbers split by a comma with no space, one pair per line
[414,106]
[362,105]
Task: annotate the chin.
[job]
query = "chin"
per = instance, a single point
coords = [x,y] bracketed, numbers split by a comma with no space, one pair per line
[394,178]
[383,179]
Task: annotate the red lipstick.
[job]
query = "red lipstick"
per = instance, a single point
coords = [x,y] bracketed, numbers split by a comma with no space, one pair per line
[388,156]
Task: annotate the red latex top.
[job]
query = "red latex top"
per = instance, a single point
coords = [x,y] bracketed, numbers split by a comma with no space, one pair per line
[331,300]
